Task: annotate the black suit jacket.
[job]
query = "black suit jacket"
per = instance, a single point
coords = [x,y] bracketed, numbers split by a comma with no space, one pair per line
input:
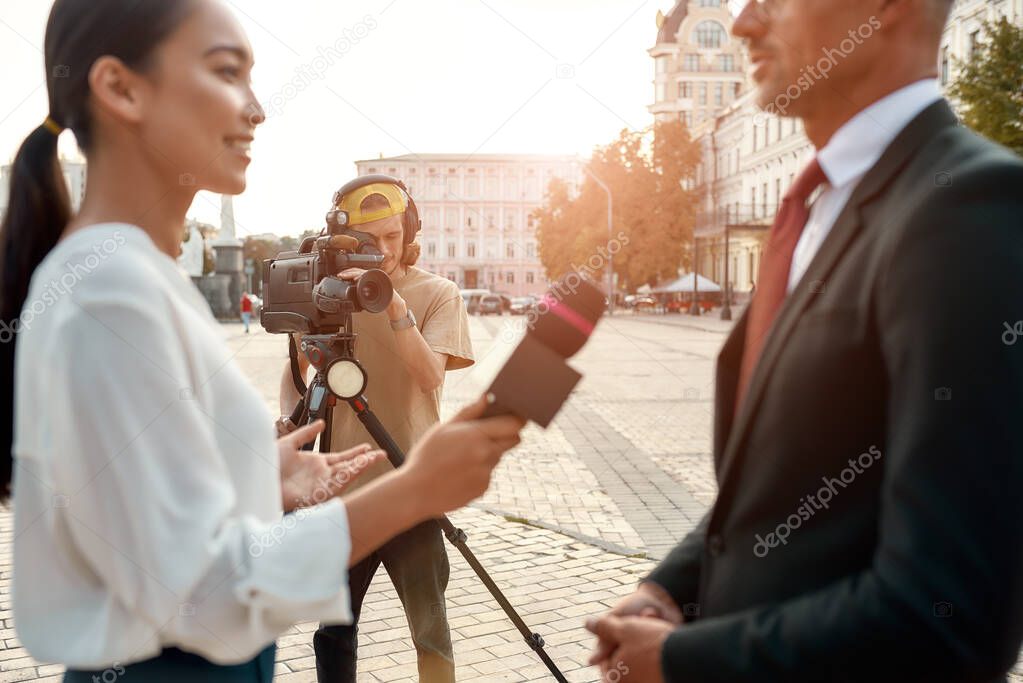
[887,393]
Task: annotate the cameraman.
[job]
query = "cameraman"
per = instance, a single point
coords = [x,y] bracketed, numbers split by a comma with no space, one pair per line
[405,352]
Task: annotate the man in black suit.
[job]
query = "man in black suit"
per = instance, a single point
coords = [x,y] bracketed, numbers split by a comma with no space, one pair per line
[867,440]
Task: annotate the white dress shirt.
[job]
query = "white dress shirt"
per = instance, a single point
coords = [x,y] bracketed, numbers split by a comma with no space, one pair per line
[147,495]
[849,154]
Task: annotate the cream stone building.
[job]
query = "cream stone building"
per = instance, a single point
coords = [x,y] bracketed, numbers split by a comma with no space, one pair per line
[74,176]
[699,68]
[478,230]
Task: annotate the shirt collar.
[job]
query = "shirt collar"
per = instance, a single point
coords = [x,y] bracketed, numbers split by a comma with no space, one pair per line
[858,145]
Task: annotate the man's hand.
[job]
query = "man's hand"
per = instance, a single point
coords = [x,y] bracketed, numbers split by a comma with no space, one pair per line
[284,426]
[638,643]
[396,310]
[648,600]
[309,478]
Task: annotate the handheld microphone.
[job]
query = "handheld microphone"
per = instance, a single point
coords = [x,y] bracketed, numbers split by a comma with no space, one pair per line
[536,381]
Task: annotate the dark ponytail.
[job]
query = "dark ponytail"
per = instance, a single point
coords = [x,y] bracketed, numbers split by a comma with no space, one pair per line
[77,34]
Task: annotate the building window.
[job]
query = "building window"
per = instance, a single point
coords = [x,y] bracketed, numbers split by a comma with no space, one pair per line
[509,278]
[763,198]
[509,250]
[662,64]
[755,128]
[661,92]
[736,89]
[531,250]
[470,249]
[944,65]
[530,278]
[431,249]
[726,62]
[692,62]
[753,200]
[451,249]
[974,43]
[685,89]
[777,192]
[490,278]
[709,34]
[719,93]
[710,3]
[702,99]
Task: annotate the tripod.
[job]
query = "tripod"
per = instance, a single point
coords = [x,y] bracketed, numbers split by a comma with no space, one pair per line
[339,375]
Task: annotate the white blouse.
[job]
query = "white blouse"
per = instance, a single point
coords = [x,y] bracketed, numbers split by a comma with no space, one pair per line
[147,499]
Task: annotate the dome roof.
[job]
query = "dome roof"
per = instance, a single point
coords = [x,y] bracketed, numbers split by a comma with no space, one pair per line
[669,26]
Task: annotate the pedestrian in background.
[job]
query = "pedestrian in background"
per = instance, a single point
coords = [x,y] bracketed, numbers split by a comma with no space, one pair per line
[246,306]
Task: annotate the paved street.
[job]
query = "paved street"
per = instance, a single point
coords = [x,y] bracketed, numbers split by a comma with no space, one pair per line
[574,517]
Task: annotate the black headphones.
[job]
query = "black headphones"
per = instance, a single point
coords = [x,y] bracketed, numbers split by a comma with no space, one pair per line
[337,219]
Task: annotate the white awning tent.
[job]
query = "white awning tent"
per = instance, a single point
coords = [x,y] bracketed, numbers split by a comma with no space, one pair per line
[685,284]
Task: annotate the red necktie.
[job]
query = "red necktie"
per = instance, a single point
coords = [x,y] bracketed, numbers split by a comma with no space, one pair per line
[772,284]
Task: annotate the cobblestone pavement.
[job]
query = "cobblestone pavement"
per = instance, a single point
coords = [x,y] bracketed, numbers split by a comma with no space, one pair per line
[574,516]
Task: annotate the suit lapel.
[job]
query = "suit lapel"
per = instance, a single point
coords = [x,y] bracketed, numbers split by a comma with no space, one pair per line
[847,226]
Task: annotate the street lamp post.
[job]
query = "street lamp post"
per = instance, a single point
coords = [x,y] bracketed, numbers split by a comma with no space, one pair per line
[726,309]
[610,230]
[694,307]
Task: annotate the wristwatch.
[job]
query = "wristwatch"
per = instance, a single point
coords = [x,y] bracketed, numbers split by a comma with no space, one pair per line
[404,323]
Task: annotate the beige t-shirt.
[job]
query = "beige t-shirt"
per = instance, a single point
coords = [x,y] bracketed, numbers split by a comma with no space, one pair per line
[393,394]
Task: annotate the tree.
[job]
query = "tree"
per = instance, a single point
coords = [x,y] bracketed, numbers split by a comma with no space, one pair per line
[990,85]
[653,215]
[259,250]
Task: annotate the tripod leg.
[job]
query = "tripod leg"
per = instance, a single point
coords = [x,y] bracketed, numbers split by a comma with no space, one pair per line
[456,537]
[316,404]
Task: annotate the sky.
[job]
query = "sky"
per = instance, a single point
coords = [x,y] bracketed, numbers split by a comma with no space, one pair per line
[394,77]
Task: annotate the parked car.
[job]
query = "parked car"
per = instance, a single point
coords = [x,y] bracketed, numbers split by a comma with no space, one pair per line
[490,303]
[521,305]
[643,303]
[472,297]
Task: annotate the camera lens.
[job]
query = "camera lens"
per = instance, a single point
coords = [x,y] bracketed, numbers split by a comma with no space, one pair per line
[374,291]
[369,291]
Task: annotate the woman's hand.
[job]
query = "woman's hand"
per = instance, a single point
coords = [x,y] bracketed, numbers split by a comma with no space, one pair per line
[452,463]
[309,478]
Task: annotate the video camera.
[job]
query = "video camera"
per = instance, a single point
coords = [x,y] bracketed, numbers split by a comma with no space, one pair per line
[303,294]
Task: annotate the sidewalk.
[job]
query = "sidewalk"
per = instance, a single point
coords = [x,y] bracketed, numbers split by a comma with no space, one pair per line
[707,322]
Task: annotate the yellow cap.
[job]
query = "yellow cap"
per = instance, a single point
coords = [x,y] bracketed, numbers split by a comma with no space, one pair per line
[396,199]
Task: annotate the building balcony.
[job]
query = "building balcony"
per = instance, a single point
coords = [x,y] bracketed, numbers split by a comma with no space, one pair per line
[746,218]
